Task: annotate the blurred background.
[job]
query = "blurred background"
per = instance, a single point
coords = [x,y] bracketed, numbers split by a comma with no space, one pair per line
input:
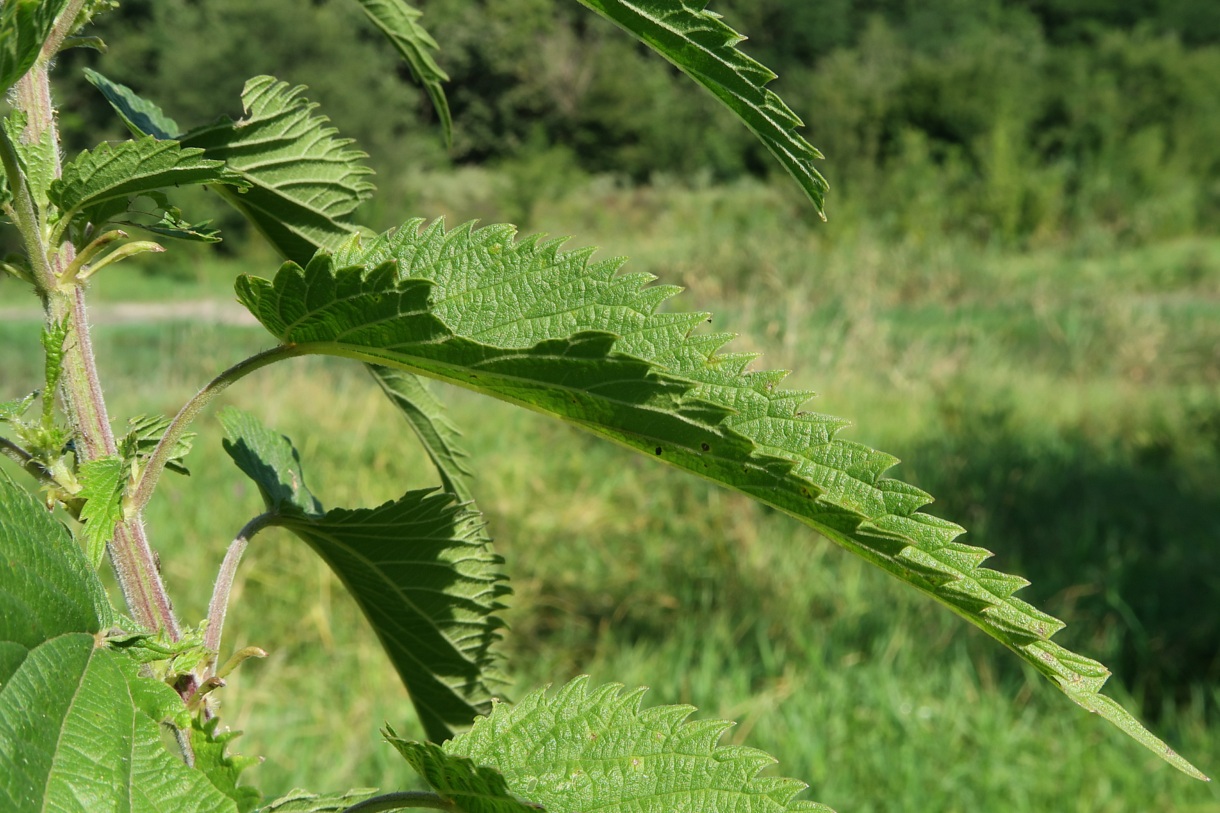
[1017,293]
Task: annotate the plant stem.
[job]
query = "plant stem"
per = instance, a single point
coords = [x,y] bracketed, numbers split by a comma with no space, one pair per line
[190,410]
[27,461]
[219,605]
[400,800]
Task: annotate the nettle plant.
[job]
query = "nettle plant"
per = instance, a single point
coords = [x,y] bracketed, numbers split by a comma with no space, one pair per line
[87,690]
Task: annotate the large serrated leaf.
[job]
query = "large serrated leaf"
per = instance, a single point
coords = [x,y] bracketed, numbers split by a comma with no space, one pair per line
[75,736]
[553,332]
[115,172]
[419,568]
[464,786]
[102,484]
[700,44]
[46,586]
[583,749]
[399,22]
[304,181]
[24,27]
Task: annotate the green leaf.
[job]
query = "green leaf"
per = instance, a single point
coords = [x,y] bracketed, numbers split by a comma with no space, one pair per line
[114,173]
[103,482]
[46,586]
[24,27]
[53,338]
[466,787]
[399,22]
[705,49]
[426,416]
[223,770]
[37,159]
[270,460]
[558,334]
[12,411]
[596,749]
[141,116]
[300,801]
[304,181]
[418,567]
[75,735]
[143,434]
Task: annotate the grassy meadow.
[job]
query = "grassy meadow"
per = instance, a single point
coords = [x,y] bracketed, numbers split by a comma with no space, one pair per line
[1060,401]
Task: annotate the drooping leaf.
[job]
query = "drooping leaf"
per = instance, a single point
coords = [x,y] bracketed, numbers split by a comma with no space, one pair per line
[75,734]
[558,334]
[595,749]
[270,460]
[46,586]
[426,416]
[223,770]
[141,116]
[418,567]
[24,27]
[467,787]
[102,484]
[301,801]
[97,182]
[699,43]
[304,181]
[143,434]
[399,22]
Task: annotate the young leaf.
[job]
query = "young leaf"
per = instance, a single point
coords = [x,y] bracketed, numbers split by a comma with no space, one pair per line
[463,785]
[222,770]
[304,181]
[580,342]
[705,49]
[75,735]
[102,483]
[141,116]
[399,22]
[418,567]
[35,157]
[114,173]
[596,749]
[46,586]
[143,434]
[24,27]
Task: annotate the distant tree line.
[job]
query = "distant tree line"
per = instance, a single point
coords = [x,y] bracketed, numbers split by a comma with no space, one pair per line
[1007,120]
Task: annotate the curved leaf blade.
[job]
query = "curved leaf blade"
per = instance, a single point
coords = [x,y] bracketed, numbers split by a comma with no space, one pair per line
[703,47]
[304,181]
[399,22]
[47,587]
[115,172]
[464,786]
[24,28]
[75,735]
[419,567]
[576,340]
[301,801]
[140,115]
[103,482]
[595,749]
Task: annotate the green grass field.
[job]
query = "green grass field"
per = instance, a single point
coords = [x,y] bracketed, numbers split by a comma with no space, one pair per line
[1059,402]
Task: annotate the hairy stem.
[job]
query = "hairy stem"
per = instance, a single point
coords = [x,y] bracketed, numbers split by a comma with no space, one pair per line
[400,800]
[26,461]
[190,410]
[219,604]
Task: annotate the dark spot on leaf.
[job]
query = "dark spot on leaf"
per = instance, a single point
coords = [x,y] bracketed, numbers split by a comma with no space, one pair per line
[658,450]
[705,447]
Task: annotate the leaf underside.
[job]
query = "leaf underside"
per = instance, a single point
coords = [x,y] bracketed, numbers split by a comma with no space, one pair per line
[304,181]
[577,340]
[700,44]
[465,786]
[399,22]
[595,749]
[419,567]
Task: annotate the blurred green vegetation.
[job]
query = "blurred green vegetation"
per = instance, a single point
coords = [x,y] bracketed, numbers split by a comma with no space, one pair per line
[1018,293]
